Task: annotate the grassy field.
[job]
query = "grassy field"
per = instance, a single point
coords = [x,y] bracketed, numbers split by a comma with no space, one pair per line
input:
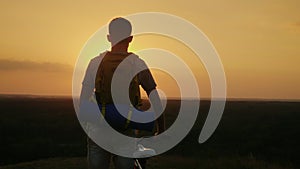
[43,133]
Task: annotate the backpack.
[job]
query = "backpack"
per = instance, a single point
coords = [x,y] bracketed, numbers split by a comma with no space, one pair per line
[103,80]
[104,75]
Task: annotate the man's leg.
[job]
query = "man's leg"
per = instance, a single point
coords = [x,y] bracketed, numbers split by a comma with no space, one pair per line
[143,162]
[97,157]
[123,163]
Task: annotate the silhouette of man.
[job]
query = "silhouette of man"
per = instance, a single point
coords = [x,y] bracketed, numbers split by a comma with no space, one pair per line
[119,36]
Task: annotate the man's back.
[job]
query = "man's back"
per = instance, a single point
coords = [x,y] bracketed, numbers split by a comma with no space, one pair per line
[106,71]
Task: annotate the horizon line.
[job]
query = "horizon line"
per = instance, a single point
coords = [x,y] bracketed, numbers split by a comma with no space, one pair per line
[171,98]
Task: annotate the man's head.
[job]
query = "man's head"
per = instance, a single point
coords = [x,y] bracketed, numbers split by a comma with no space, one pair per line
[119,31]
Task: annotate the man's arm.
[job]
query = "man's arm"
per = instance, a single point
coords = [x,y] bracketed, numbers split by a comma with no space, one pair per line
[158,109]
[88,84]
[148,84]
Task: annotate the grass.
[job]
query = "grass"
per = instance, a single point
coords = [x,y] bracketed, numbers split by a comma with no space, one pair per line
[161,162]
[44,133]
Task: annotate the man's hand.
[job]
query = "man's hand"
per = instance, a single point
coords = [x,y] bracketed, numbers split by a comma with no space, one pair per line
[160,127]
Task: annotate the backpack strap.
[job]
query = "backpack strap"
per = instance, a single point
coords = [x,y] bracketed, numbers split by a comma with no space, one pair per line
[129,116]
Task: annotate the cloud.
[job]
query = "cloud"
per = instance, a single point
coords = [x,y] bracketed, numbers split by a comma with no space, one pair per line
[25,65]
[297,24]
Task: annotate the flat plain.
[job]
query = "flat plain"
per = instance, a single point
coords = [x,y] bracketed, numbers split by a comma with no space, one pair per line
[43,132]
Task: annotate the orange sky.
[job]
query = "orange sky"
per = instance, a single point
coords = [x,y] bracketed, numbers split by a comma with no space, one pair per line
[258,43]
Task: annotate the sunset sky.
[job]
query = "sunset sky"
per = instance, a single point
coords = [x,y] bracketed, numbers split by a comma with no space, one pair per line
[258,43]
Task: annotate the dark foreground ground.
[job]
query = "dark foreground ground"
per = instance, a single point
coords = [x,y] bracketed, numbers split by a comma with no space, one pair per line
[38,133]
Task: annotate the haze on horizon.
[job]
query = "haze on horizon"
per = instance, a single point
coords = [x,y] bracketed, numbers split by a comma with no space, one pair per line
[257,41]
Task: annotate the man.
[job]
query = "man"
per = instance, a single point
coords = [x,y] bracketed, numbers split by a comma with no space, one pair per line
[98,79]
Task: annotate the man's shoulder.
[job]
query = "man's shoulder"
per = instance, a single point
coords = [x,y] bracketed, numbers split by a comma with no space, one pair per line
[94,62]
[139,62]
[98,58]
[133,57]
[136,58]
